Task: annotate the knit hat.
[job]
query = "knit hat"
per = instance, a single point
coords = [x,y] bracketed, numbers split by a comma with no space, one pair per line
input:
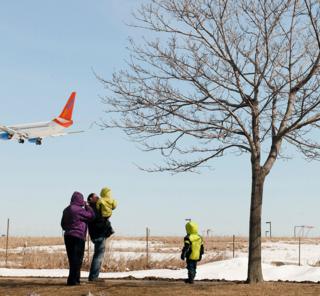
[105,192]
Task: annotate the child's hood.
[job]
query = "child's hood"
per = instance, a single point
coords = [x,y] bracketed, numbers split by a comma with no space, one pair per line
[105,193]
[192,228]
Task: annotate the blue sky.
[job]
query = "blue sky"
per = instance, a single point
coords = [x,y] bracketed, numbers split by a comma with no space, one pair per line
[48,49]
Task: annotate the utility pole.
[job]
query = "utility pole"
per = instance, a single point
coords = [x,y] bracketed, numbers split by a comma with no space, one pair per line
[7,241]
[233,245]
[147,244]
[299,250]
[302,228]
[269,222]
[88,242]
[295,230]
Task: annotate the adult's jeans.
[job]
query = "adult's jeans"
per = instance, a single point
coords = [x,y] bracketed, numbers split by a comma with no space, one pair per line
[75,251]
[99,248]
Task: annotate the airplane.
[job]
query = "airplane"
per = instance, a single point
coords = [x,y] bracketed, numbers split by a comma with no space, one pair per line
[35,132]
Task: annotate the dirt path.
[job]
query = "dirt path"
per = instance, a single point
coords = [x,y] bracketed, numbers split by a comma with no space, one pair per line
[57,287]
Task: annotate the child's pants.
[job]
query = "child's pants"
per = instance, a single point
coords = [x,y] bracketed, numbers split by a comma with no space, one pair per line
[108,227]
[192,269]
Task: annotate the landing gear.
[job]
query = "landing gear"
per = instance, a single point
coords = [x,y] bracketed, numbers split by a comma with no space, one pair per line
[39,141]
[21,141]
[10,136]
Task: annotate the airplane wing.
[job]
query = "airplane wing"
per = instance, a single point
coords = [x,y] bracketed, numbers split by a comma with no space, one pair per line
[13,132]
[68,133]
[38,140]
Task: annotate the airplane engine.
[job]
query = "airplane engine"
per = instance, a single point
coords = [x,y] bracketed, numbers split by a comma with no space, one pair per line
[5,136]
[37,141]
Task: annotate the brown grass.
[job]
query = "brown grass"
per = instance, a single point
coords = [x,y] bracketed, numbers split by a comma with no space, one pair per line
[15,242]
[44,260]
[41,259]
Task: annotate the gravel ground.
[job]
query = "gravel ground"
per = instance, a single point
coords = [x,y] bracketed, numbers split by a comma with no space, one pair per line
[128,287]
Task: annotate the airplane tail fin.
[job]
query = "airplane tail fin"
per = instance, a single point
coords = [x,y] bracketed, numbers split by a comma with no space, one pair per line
[65,118]
[68,108]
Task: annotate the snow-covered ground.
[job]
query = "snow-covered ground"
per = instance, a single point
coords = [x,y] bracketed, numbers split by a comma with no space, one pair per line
[280,262]
[289,253]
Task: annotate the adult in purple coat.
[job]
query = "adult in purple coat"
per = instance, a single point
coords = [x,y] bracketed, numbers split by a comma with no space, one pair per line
[74,223]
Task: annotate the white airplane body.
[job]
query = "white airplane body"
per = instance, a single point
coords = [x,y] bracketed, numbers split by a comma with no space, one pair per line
[35,132]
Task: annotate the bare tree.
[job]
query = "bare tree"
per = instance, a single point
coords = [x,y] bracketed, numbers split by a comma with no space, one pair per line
[223,76]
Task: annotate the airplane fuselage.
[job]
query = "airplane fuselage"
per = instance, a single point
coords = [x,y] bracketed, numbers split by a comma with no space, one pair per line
[37,129]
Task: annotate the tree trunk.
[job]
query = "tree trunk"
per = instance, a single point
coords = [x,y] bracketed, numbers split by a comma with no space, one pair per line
[254,264]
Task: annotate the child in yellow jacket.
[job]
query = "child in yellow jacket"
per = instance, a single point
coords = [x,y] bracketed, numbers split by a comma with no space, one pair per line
[105,205]
[192,250]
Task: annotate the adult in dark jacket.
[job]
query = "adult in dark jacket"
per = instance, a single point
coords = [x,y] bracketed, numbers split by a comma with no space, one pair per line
[74,223]
[99,230]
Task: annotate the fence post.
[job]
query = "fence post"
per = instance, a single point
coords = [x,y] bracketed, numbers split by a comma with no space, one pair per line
[233,239]
[147,245]
[299,250]
[7,242]
[88,242]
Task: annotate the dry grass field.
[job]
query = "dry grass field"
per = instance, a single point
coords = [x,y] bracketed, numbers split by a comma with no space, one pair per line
[26,252]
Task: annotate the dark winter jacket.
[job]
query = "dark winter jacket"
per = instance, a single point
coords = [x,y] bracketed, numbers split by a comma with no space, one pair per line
[76,216]
[99,226]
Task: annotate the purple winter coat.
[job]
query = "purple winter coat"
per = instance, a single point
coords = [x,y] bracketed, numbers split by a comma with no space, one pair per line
[75,217]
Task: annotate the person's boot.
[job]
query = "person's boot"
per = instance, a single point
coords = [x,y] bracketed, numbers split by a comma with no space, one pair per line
[189,281]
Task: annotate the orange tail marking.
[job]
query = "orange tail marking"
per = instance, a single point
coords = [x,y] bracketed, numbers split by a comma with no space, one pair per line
[68,108]
[65,118]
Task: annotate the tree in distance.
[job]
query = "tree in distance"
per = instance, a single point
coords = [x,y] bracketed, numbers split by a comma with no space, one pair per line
[222,76]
